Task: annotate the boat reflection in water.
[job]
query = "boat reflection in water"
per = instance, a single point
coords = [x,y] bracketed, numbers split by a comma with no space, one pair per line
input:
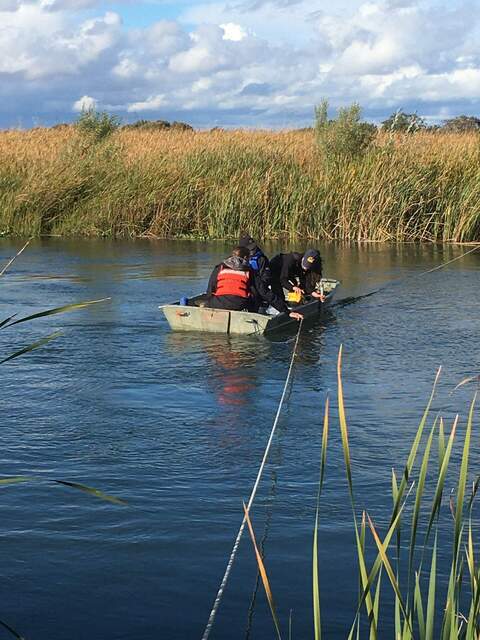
[232,374]
[230,364]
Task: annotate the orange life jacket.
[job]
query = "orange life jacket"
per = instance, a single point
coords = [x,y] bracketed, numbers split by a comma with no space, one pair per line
[233,283]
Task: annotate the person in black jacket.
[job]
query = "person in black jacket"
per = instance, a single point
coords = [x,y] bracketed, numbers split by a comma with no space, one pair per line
[297,272]
[235,286]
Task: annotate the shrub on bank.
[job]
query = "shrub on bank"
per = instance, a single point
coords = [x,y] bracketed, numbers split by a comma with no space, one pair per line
[158,125]
[462,124]
[344,138]
[401,122]
[96,125]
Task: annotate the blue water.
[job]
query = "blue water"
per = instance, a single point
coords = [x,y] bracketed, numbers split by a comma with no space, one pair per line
[176,425]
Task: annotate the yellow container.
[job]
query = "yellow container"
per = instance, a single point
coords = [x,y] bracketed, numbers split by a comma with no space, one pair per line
[294,296]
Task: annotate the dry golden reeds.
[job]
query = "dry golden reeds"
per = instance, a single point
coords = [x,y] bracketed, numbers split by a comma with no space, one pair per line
[216,184]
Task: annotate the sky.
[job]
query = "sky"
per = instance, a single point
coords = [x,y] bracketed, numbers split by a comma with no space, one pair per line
[245,63]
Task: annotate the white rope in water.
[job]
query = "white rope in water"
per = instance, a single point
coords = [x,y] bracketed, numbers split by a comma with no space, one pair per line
[226,575]
[444,264]
[424,273]
[15,257]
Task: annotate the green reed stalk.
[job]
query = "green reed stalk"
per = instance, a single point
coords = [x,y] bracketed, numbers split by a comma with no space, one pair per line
[315,577]
[347,459]
[417,614]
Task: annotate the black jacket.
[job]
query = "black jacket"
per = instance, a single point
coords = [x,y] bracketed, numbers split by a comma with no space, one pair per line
[263,271]
[287,267]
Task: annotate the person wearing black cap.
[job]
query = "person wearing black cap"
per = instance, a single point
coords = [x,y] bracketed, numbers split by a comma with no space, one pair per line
[297,272]
[234,285]
[257,260]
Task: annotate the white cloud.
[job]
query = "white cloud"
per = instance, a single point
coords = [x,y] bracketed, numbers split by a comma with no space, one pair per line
[163,38]
[277,24]
[232,31]
[152,103]
[85,103]
[260,61]
[198,59]
[126,68]
[40,44]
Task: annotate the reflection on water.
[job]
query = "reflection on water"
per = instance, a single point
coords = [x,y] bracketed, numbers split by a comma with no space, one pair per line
[177,424]
[231,362]
[232,377]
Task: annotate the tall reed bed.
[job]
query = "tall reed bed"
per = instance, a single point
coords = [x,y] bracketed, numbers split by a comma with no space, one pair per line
[407,551]
[216,184]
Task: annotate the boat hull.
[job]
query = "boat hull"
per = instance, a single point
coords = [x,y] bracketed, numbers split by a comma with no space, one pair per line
[205,319]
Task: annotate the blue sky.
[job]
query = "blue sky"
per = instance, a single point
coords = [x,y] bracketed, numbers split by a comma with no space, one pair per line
[142,14]
[254,63]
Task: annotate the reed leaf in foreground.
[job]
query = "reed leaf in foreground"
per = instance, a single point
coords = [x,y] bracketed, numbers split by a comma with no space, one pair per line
[428,618]
[389,571]
[441,443]
[376,600]
[467,381]
[316,583]
[348,469]
[32,347]
[418,501]
[441,480]
[50,312]
[419,610]
[418,607]
[431,594]
[377,566]
[74,485]
[263,574]
[66,483]
[7,320]
[462,480]
[413,451]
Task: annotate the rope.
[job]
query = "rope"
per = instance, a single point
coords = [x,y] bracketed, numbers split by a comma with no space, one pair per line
[226,575]
[345,301]
[14,257]
[444,264]
[424,273]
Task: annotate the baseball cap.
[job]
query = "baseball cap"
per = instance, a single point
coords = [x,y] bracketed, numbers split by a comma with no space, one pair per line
[311,257]
[247,241]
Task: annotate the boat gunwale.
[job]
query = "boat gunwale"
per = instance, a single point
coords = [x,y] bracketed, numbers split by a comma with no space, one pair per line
[273,323]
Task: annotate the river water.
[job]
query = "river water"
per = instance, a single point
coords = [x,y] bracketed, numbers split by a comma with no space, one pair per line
[176,424]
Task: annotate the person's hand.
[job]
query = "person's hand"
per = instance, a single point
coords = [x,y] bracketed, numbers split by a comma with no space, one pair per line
[297,290]
[320,296]
[295,315]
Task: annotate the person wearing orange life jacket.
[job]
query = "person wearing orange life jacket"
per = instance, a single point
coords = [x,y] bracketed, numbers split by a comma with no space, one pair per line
[233,286]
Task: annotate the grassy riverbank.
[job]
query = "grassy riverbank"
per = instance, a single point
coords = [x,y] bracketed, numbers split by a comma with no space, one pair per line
[214,184]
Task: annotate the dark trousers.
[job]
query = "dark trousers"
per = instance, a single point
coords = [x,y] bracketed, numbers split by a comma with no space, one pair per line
[229,303]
